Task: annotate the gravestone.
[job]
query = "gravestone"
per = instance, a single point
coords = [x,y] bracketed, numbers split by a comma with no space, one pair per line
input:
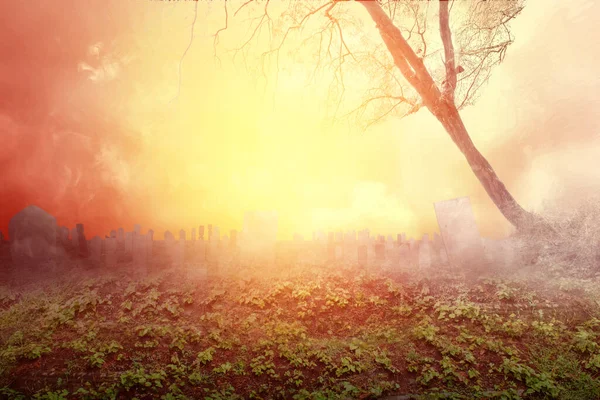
[460,233]
[83,249]
[425,252]
[149,245]
[260,235]
[362,255]
[96,249]
[233,239]
[128,242]
[110,250]
[75,239]
[64,235]
[380,249]
[32,234]
[140,253]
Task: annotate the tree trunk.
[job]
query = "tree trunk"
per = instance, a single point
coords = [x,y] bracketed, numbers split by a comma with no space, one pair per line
[442,106]
[450,119]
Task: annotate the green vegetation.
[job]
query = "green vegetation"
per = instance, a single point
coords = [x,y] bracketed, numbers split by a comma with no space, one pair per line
[336,335]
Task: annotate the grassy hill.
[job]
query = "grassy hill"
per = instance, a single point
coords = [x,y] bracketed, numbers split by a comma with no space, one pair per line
[312,334]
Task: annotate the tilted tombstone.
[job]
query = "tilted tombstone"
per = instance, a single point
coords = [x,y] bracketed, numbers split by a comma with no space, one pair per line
[459,232]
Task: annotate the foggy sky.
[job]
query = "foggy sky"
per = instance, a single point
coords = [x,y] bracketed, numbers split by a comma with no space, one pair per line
[71,140]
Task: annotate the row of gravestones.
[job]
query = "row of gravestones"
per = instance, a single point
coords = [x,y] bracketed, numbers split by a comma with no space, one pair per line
[363,249]
[459,235]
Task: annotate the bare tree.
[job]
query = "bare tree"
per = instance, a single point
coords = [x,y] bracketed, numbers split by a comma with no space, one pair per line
[435,63]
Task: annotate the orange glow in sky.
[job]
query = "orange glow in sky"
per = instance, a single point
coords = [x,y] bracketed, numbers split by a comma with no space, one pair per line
[93,131]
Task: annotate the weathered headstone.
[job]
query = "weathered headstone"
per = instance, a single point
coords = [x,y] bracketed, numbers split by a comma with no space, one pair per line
[460,233]
[32,234]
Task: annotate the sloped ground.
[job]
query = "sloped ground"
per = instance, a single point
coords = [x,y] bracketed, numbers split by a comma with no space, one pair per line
[312,334]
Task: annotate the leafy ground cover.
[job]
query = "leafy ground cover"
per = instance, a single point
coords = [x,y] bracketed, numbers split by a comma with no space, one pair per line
[337,334]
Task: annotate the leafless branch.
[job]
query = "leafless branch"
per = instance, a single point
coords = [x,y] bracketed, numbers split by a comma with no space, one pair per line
[450,83]
[216,35]
[186,50]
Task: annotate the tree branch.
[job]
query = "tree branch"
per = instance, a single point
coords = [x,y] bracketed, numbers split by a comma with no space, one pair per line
[409,64]
[216,36]
[450,83]
[186,50]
